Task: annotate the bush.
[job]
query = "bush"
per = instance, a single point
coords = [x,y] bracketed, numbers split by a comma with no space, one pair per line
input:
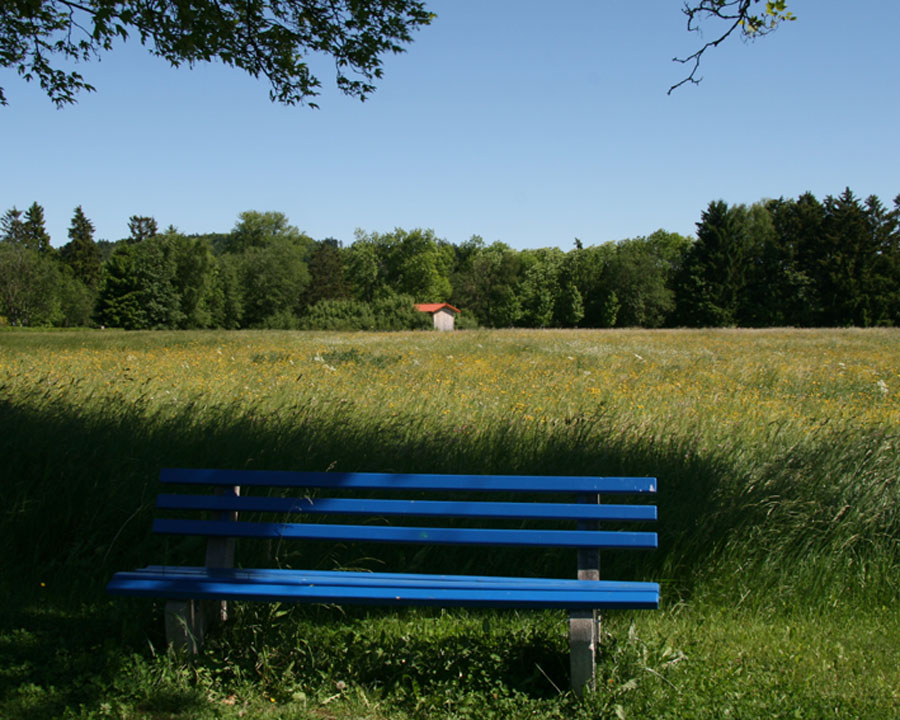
[281,320]
[466,321]
[389,312]
[339,315]
[398,312]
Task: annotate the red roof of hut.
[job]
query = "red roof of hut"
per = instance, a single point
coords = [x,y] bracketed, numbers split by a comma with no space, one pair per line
[434,307]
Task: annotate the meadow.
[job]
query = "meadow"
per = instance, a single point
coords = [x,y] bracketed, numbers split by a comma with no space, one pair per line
[779,495]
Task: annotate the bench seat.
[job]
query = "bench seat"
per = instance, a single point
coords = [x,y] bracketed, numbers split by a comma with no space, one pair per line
[386,589]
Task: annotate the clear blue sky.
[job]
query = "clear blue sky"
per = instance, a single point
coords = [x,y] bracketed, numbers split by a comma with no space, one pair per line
[527,122]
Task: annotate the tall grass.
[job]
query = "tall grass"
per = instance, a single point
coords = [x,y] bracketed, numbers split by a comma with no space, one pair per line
[776,453]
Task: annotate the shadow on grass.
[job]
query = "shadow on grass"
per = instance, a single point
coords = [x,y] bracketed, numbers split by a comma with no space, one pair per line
[80,488]
[78,497]
[61,653]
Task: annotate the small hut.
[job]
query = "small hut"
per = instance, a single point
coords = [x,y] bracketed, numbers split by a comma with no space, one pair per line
[443,314]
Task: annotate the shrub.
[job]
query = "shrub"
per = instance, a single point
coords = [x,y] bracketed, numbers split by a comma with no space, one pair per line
[339,315]
[398,312]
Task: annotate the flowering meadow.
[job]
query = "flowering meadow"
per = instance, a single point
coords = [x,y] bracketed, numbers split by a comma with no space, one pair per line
[708,385]
[776,453]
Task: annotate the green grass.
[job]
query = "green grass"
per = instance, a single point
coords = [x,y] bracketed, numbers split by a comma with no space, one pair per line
[779,519]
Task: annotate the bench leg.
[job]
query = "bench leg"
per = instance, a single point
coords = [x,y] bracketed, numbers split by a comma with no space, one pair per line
[584,637]
[220,554]
[584,625]
[185,625]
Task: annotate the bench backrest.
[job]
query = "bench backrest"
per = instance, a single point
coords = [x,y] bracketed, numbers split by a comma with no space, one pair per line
[574,498]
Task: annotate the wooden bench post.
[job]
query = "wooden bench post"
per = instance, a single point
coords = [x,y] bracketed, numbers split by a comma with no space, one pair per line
[220,553]
[185,624]
[584,625]
[188,620]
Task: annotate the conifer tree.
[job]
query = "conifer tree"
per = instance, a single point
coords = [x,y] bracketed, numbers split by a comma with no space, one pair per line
[846,261]
[713,277]
[81,252]
[12,229]
[141,228]
[35,230]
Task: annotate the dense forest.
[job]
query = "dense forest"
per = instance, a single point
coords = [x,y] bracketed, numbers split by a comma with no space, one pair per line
[786,262]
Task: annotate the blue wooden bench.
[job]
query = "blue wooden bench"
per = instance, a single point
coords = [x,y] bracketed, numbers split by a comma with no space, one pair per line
[397,508]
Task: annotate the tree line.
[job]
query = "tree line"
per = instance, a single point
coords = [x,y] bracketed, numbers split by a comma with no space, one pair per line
[785,262]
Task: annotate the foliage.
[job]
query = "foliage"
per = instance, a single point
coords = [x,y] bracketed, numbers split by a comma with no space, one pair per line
[269,38]
[141,228]
[390,312]
[414,263]
[398,312]
[12,228]
[76,299]
[741,16]
[256,229]
[339,314]
[713,276]
[639,277]
[81,252]
[784,262]
[485,285]
[28,286]
[35,231]
[274,278]
[328,276]
[137,287]
[196,282]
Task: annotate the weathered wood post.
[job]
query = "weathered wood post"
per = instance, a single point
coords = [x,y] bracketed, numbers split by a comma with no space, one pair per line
[220,552]
[185,625]
[584,625]
[188,620]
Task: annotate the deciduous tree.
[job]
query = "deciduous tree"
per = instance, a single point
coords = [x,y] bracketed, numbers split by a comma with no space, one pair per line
[269,38]
[28,286]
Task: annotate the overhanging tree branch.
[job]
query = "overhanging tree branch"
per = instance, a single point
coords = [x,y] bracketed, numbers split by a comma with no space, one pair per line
[262,37]
[740,15]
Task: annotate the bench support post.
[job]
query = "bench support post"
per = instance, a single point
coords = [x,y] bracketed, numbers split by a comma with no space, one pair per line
[220,554]
[185,625]
[584,625]
[188,620]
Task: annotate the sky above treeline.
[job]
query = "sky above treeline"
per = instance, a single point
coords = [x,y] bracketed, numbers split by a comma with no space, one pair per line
[532,123]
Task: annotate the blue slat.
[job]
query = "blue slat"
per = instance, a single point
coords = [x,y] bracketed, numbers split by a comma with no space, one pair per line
[378,533]
[174,587]
[418,481]
[339,578]
[421,508]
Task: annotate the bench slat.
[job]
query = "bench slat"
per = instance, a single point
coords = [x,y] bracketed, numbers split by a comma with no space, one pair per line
[421,508]
[380,533]
[409,481]
[379,579]
[192,586]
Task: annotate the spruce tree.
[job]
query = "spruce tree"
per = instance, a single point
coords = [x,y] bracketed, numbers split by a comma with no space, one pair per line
[795,297]
[141,228]
[81,252]
[846,261]
[12,229]
[35,231]
[713,278]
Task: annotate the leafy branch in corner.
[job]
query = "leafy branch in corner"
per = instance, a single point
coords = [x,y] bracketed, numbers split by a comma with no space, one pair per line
[269,38]
[741,16]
